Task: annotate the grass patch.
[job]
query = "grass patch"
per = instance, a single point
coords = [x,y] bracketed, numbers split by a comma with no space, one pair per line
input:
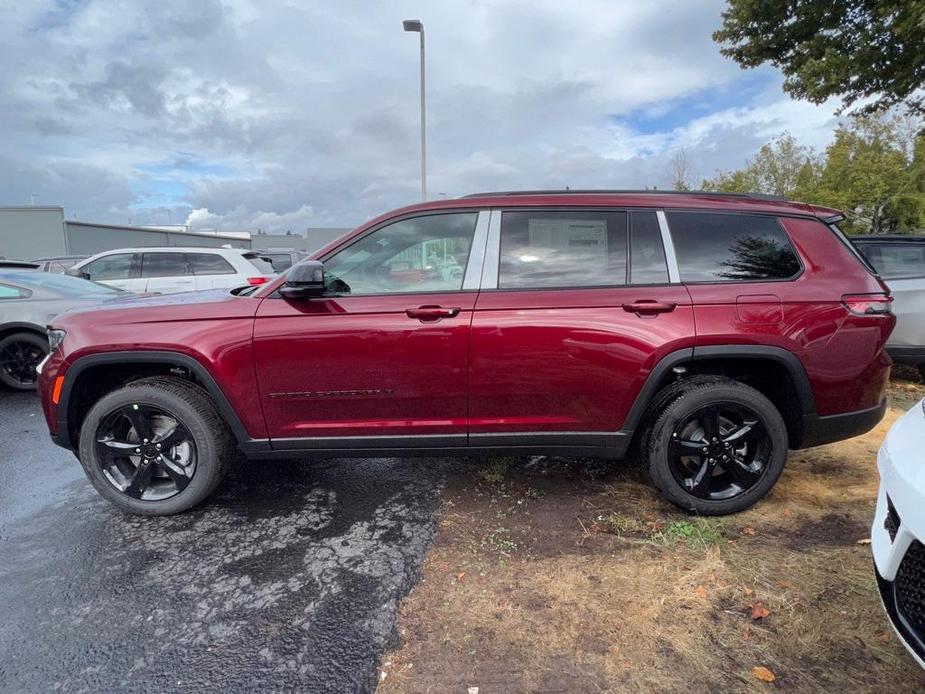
[698,533]
[495,470]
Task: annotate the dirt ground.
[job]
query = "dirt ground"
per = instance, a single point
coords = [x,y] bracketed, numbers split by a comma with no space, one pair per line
[559,575]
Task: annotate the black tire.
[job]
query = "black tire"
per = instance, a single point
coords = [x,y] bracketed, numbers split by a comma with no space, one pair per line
[677,406]
[209,437]
[922,372]
[20,353]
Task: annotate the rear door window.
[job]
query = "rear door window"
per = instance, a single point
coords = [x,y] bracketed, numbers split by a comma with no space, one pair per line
[896,260]
[731,247]
[567,248]
[209,264]
[164,265]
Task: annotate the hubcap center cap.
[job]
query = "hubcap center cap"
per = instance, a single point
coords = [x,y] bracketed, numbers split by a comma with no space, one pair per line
[149,451]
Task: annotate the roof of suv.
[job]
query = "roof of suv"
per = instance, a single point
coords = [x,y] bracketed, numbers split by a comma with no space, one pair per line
[745,202]
[177,249]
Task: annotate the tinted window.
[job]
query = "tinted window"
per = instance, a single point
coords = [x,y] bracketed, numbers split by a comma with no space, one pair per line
[422,254]
[164,265]
[562,249]
[731,247]
[209,264]
[896,260]
[8,292]
[111,267]
[647,264]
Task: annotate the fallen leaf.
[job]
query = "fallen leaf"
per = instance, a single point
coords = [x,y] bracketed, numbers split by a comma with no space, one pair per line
[748,530]
[864,541]
[762,673]
[460,576]
[787,513]
[759,611]
[745,635]
[700,592]
[749,592]
[712,578]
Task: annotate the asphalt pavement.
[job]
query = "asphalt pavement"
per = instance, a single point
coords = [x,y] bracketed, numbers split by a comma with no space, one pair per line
[286,580]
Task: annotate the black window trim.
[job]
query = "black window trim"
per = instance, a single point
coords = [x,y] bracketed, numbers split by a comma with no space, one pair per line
[866,242]
[776,217]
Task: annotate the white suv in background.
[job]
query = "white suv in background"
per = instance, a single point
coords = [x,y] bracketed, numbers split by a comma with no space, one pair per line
[172,269]
[898,532]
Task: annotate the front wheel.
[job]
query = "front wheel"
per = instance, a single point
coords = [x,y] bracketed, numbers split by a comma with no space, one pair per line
[715,446]
[157,446]
[20,354]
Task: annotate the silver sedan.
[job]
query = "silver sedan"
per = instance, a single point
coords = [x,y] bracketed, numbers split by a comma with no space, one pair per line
[28,302]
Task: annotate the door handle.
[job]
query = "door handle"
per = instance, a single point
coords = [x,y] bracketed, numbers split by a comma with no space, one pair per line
[427,314]
[647,307]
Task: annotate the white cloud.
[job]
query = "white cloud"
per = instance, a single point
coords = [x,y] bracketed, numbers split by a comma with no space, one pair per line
[310,111]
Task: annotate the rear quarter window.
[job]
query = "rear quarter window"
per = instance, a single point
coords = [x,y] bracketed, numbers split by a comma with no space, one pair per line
[209,264]
[262,265]
[730,247]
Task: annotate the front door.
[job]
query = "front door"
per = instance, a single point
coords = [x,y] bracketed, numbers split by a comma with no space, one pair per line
[383,355]
[581,308]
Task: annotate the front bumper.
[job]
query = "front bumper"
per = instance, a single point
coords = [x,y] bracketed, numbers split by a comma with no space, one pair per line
[898,530]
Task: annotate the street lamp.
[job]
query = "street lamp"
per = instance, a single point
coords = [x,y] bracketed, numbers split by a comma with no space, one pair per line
[418,26]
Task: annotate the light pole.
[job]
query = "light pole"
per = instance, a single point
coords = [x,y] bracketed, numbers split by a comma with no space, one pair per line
[417,26]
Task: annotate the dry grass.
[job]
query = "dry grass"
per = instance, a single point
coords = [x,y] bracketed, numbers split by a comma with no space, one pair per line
[573,576]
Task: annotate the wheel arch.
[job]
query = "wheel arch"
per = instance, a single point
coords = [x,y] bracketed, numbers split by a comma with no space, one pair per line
[116,369]
[775,372]
[20,327]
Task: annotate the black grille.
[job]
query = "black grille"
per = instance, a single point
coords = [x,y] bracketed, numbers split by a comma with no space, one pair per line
[891,522]
[910,587]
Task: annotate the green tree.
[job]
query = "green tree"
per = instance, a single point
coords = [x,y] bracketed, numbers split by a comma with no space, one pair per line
[868,52]
[869,173]
[782,167]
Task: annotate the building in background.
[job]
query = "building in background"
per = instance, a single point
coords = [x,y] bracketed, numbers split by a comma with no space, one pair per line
[39,232]
[313,240]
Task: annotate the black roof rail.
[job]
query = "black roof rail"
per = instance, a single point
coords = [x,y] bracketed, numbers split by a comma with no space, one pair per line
[503,193]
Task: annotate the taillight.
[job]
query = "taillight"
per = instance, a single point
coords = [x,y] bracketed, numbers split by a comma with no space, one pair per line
[254,281]
[868,304]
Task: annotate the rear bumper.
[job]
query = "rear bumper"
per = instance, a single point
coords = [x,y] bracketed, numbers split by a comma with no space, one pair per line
[837,427]
[912,356]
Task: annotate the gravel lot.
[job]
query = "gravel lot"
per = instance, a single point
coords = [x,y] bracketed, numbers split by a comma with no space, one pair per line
[287,579]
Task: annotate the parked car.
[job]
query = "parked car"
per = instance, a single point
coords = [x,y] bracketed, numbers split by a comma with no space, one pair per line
[898,532]
[167,270]
[706,333]
[282,258]
[29,300]
[17,265]
[58,263]
[900,261]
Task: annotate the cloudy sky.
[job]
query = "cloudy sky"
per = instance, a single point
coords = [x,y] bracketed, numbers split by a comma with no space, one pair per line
[271,114]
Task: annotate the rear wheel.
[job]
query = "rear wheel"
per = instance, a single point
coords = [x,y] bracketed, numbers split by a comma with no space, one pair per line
[157,446]
[20,354]
[714,446]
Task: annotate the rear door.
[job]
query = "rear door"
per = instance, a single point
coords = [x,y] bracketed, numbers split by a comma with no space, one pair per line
[576,308]
[212,271]
[166,272]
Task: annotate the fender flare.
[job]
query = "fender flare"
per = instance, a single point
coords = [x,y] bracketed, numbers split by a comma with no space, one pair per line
[195,367]
[22,325]
[693,354]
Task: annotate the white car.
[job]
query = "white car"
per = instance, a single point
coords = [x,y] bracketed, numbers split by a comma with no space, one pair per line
[898,532]
[173,269]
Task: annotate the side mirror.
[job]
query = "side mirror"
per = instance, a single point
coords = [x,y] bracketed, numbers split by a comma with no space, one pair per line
[304,281]
[74,272]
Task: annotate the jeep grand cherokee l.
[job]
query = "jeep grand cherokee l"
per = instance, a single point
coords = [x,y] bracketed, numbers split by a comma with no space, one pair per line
[704,333]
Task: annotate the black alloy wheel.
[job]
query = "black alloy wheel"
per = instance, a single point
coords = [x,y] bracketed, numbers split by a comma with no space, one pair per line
[145,452]
[719,451]
[20,354]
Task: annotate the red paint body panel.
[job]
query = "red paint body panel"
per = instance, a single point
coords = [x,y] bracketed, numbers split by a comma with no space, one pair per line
[567,360]
[359,366]
[213,327]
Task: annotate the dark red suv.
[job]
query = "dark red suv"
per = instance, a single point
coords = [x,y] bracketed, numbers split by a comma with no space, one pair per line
[704,334]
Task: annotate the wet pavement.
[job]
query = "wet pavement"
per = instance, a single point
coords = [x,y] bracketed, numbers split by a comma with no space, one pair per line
[287,579]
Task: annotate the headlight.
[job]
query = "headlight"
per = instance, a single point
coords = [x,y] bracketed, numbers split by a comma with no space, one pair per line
[55,338]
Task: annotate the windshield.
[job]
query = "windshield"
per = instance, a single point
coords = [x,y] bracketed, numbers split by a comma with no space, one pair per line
[65,285]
